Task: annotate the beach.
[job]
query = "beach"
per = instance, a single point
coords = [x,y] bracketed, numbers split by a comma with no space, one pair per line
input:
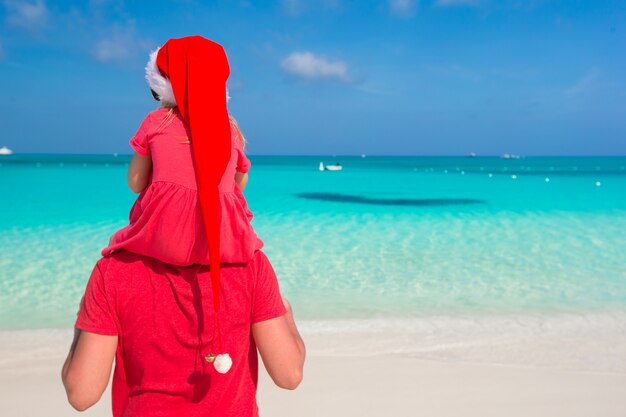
[437,286]
[347,384]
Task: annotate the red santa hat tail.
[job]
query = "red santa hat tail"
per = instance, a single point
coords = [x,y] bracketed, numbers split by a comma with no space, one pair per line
[197,69]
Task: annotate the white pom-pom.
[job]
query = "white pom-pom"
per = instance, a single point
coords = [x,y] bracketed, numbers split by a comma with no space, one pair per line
[223,363]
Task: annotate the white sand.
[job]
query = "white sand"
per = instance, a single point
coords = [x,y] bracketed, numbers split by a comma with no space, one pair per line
[337,384]
[361,387]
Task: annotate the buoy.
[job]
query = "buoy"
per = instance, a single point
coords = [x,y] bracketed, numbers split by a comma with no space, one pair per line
[514,176]
[598,183]
[547,179]
[490,175]
[462,172]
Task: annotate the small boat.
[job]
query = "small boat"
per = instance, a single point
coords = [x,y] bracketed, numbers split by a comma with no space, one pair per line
[472,155]
[336,167]
[5,151]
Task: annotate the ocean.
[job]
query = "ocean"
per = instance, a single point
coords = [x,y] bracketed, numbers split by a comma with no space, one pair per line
[417,241]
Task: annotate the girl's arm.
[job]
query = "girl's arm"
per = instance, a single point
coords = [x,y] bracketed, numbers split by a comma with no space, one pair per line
[281,348]
[139,172]
[241,178]
[87,369]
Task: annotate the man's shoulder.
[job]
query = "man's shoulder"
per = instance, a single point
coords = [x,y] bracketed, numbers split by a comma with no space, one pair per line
[259,260]
[121,262]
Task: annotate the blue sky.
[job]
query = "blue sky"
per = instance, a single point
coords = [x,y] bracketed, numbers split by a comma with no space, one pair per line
[393,77]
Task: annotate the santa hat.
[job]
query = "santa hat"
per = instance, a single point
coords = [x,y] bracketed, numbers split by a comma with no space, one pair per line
[191,73]
[161,85]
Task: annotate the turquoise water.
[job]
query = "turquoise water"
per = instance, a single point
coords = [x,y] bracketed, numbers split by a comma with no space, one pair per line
[386,237]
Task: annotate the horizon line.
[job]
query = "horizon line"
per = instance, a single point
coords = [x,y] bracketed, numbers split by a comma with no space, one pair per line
[513,156]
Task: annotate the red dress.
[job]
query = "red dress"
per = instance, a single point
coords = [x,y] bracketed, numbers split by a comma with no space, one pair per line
[166,221]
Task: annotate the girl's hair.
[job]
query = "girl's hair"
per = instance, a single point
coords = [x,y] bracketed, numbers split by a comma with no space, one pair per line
[170,116]
[234,122]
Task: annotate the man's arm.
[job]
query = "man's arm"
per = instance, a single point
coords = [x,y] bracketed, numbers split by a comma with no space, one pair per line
[87,369]
[281,348]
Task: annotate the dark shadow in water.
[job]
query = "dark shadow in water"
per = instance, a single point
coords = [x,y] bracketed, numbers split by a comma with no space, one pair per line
[343,198]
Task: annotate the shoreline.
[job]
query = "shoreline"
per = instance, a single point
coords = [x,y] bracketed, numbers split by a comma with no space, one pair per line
[590,342]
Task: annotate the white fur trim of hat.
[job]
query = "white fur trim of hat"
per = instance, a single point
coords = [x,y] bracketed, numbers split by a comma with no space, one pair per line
[161,85]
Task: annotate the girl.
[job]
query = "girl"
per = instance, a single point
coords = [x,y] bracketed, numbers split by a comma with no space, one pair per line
[191,210]
[166,219]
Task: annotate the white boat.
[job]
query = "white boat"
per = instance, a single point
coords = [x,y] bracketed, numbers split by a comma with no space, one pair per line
[336,167]
[5,151]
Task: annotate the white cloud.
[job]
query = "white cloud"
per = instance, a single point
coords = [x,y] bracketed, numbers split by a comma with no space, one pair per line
[119,47]
[446,3]
[307,66]
[298,7]
[109,50]
[403,8]
[590,82]
[332,4]
[293,7]
[32,16]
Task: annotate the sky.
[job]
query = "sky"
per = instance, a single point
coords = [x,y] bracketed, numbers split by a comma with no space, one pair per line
[326,77]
